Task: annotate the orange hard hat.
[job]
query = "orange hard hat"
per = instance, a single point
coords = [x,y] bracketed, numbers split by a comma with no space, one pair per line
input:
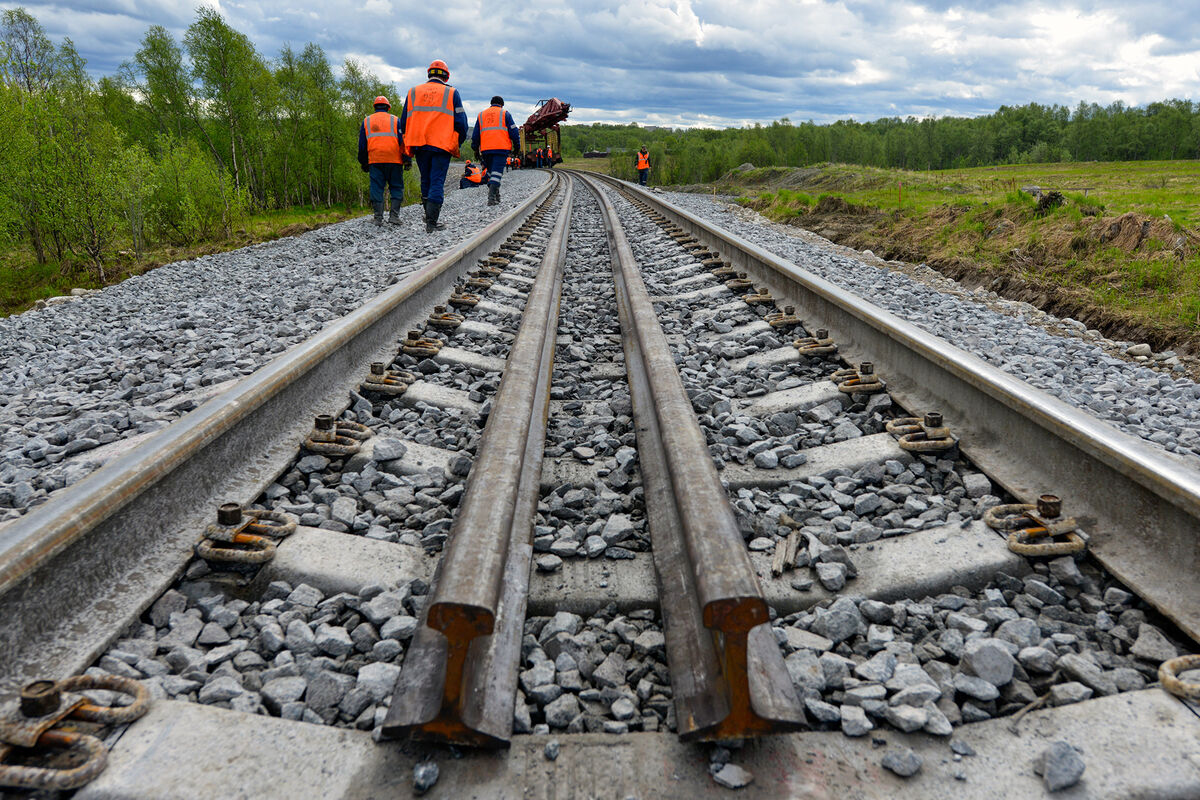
[382,101]
[438,69]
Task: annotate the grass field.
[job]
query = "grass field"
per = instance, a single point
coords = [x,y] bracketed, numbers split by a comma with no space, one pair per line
[1152,188]
[1122,251]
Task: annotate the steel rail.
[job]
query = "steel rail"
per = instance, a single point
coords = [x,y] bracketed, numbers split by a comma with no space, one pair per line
[1139,506]
[727,674]
[459,680]
[77,570]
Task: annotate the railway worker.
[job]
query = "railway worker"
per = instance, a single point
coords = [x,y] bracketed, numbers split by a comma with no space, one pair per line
[549,156]
[434,125]
[493,138]
[473,175]
[382,155]
[642,163]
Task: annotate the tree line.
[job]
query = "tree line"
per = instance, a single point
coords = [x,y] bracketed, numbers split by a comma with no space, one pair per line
[178,147]
[1031,133]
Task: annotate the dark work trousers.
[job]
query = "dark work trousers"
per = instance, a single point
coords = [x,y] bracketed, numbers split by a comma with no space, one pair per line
[391,175]
[643,175]
[433,164]
[494,161]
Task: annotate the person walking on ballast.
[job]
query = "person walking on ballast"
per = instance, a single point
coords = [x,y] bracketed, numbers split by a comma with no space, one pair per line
[434,125]
[643,165]
[493,138]
[382,155]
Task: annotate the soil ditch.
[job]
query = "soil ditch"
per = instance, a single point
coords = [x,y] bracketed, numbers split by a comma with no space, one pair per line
[898,238]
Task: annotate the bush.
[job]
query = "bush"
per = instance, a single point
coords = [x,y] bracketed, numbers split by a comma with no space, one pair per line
[191,198]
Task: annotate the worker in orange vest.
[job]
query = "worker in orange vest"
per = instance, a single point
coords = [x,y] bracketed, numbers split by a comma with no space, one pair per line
[549,156]
[381,154]
[493,139]
[643,165]
[434,125]
[473,175]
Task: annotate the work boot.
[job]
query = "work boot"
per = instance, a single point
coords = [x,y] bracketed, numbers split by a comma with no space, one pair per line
[394,213]
[432,212]
[493,194]
[378,209]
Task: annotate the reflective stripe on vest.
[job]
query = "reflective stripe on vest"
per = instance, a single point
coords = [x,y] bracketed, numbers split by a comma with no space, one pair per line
[643,160]
[432,122]
[383,143]
[493,133]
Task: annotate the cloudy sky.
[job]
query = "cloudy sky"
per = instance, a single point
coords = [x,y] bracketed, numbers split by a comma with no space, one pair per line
[712,62]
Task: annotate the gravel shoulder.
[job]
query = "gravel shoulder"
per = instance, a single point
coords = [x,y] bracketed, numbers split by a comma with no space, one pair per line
[1060,356]
[136,356]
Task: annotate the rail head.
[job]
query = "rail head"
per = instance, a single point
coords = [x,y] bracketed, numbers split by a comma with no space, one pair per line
[725,580]
[473,562]
[728,676]
[459,681]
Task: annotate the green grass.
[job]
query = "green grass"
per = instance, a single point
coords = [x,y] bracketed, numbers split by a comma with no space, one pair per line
[1153,188]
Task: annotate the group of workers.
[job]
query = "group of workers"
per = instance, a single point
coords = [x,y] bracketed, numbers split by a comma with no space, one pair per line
[430,129]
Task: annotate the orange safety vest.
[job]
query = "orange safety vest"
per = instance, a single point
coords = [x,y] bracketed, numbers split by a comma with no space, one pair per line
[549,152]
[383,143]
[429,117]
[474,173]
[493,133]
[643,160]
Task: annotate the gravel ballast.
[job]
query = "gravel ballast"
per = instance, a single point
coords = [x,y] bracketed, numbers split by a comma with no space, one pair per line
[1155,405]
[831,511]
[138,355]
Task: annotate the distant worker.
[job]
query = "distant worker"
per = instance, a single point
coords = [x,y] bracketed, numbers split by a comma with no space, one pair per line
[434,125]
[382,155]
[549,156]
[473,175]
[493,139]
[643,165]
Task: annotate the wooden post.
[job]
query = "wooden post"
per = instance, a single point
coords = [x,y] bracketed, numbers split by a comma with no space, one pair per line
[900,194]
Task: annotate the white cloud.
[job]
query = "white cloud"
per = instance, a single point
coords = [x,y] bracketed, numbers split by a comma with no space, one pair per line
[712,62]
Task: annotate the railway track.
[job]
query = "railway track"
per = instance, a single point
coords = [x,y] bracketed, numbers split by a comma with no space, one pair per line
[625,499]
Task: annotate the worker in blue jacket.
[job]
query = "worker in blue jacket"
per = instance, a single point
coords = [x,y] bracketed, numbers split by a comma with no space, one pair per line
[434,125]
[493,139]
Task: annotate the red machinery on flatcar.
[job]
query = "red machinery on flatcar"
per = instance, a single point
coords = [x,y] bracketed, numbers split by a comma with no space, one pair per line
[541,129]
